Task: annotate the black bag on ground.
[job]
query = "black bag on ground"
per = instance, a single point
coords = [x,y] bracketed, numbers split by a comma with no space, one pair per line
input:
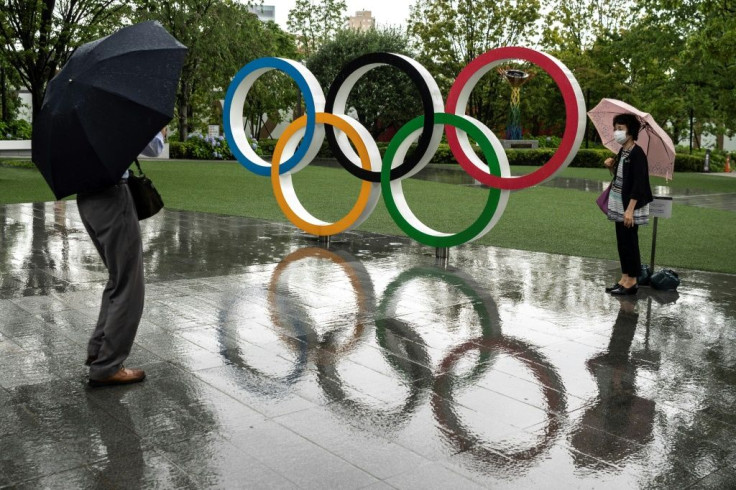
[645,276]
[145,196]
[665,280]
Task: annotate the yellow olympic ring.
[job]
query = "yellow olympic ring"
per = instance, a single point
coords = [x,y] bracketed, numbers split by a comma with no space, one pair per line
[283,188]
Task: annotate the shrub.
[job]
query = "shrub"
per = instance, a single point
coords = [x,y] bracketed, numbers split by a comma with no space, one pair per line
[547,141]
[529,157]
[18,129]
[198,147]
[688,163]
[178,150]
[590,158]
[585,157]
[208,147]
[267,146]
[534,158]
[684,162]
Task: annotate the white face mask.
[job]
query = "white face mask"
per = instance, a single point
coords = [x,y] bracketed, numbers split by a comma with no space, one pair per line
[620,136]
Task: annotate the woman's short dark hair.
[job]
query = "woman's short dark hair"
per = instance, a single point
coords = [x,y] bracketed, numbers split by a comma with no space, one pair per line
[631,122]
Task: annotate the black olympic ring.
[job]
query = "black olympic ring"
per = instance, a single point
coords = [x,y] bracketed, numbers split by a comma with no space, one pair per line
[431,102]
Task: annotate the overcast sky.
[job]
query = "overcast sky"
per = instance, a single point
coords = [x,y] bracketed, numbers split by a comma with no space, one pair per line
[386,12]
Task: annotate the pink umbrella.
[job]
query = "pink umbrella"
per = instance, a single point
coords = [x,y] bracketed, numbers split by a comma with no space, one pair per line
[655,142]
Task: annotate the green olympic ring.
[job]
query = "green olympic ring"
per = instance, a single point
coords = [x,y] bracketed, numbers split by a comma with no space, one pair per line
[396,202]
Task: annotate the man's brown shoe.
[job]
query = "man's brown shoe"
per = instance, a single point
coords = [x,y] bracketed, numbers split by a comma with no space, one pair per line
[123,377]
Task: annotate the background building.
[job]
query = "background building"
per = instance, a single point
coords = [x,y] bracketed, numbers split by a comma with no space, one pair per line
[362,21]
[26,101]
[264,12]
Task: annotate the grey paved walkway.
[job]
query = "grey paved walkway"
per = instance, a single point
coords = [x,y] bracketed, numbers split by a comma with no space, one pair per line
[274,363]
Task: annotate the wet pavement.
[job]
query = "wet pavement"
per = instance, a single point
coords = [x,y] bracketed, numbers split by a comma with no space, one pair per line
[274,362]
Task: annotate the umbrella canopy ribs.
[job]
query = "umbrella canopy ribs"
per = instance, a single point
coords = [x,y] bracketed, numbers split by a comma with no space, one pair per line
[103,107]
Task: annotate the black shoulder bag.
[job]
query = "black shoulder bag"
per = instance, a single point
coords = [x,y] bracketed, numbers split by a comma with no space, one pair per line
[145,196]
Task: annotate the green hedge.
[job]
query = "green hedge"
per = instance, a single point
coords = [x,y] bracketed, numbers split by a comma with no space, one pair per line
[587,158]
[178,150]
[689,163]
[267,146]
[695,162]
[17,129]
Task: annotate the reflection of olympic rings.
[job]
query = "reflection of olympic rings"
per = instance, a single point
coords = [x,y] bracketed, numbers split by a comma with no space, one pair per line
[484,306]
[420,377]
[396,165]
[260,382]
[462,438]
[361,284]
[406,352]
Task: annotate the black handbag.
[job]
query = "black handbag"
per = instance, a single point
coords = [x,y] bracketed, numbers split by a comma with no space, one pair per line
[145,196]
[665,280]
[645,276]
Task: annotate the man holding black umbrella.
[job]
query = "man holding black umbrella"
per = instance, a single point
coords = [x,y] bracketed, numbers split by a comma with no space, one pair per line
[100,112]
[110,218]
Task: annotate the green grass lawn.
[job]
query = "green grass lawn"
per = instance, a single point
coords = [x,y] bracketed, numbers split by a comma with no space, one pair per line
[541,219]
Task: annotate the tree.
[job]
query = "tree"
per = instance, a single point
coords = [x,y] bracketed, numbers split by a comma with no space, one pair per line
[585,35]
[684,52]
[38,36]
[575,25]
[192,22]
[273,92]
[240,38]
[384,97]
[448,34]
[650,57]
[709,66]
[316,23]
[221,37]
[9,100]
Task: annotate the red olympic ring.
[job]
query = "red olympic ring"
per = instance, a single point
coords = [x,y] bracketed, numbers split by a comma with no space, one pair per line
[457,102]
[464,439]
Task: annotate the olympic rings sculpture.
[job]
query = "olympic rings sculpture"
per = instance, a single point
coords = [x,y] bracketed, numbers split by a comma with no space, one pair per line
[302,139]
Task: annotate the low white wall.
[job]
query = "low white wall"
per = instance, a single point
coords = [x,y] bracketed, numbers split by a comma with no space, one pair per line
[22,149]
[15,148]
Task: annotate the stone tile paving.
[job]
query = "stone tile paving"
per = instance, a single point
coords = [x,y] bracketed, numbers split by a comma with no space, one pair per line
[274,362]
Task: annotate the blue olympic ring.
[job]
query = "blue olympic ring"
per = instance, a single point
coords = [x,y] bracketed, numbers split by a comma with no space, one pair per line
[238,90]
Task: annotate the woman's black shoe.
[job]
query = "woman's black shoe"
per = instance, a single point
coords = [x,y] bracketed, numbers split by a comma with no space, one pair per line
[622,291]
[611,288]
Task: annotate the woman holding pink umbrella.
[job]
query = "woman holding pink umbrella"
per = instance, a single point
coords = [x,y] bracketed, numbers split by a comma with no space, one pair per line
[628,200]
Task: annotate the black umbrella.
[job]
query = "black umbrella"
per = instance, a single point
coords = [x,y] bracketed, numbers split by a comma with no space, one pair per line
[110,99]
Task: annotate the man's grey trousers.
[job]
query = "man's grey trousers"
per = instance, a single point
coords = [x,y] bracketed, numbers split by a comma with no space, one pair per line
[111,221]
